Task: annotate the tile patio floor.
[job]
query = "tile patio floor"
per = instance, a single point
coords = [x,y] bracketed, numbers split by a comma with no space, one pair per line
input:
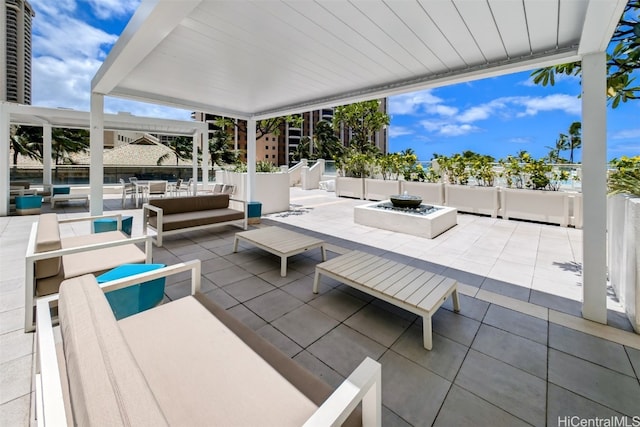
[515,355]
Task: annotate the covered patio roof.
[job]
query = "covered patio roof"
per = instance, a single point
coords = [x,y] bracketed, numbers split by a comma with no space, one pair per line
[249,59]
[259,59]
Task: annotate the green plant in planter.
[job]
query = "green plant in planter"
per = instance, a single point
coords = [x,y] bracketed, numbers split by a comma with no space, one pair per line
[355,164]
[481,168]
[261,166]
[523,171]
[513,170]
[625,178]
[537,172]
[455,169]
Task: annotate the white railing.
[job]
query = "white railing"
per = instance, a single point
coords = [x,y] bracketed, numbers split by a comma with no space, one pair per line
[311,176]
[295,173]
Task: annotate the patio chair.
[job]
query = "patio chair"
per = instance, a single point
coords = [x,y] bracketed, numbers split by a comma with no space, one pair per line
[157,188]
[133,179]
[185,187]
[173,187]
[127,189]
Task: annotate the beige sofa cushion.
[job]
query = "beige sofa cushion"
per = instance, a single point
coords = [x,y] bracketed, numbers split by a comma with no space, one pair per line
[182,220]
[100,260]
[106,385]
[47,239]
[185,351]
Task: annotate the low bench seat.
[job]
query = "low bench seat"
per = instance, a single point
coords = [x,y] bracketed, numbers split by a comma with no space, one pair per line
[187,362]
[172,215]
[413,289]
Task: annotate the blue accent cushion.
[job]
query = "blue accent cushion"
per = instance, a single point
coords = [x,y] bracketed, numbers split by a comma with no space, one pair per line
[111,224]
[133,299]
[254,209]
[61,190]
[28,202]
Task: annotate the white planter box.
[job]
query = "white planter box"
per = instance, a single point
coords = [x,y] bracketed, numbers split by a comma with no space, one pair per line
[535,205]
[272,189]
[379,189]
[479,200]
[350,187]
[624,253]
[431,192]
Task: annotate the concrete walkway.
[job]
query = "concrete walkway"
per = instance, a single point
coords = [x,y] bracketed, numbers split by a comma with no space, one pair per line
[515,355]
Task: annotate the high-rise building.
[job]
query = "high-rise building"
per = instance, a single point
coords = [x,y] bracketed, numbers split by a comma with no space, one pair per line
[15,51]
[278,149]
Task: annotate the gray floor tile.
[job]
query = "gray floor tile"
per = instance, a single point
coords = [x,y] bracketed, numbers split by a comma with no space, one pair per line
[247,317]
[12,320]
[278,339]
[517,323]
[337,304]
[391,419]
[522,353]
[464,277]
[378,324]
[619,320]
[273,304]
[302,264]
[504,288]
[454,326]
[249,288]
[16,412]
[634,356]
[14,345]
[462,408]
[229,275]
[223,299]
[202,255]
[509,388]
[273,276]
[344,349]
[556,302]
[445,358]
[319,369]
[261,265]
[469,307]
[607,387]
[355,292]
[563,404]
[178,290]
[401,312]
[303,289]
[412,392]
[15,381]
[597,350]
[305,325]
[215,264]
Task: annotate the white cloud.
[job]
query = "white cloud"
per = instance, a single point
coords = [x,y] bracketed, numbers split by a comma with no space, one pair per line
[396,131]
[105,9]
[69,38]
[533,105]
[520,140]
[412,103]
[457,130]
[626,134]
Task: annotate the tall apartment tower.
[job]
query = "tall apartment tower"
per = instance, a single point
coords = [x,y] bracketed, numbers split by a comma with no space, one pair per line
[15,51]
[278,149]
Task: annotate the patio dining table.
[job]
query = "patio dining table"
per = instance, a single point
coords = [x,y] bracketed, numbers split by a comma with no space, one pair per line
[141,188]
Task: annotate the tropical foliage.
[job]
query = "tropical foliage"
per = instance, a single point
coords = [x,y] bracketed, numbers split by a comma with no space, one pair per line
[623,59]
[220,149]
[181,148]
[625,177]
[27,140]
[364,119]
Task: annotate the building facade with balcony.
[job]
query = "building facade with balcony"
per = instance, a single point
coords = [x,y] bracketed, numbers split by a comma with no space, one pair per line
[15,51]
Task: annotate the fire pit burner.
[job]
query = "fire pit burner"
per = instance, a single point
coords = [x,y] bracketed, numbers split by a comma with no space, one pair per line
[405,200]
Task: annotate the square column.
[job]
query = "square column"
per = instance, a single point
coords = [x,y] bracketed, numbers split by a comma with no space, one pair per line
[251,160]
[46,154]
[594,187]
[96,147]
[205,163]
[194,165]
[5,164]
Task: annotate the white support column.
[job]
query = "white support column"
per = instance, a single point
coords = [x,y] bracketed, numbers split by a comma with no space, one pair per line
[96,147]
[235,135]
[46,154]
[194,166]
[205,163]
[5,164]
[594,187]
[251,160]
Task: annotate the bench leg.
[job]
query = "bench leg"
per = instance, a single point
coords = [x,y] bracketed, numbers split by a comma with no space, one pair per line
[235,245]
[426,332]
[324,253]
[316,281]
[456,301]
[283,266]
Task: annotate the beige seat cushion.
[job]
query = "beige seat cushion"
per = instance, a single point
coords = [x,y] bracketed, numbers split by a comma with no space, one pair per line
[191,203]
[178,221]
[47,239]
[99,260]
[106,385]
[185,351]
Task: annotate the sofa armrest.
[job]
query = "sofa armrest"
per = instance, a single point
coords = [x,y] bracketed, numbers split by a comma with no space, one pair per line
[50,403]
[244,209]
[145,216]
[363,385]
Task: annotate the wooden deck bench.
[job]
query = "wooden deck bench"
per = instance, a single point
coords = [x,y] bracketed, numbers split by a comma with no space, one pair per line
[413,289]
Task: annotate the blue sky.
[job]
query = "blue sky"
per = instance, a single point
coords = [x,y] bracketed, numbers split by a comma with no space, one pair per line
[497,116]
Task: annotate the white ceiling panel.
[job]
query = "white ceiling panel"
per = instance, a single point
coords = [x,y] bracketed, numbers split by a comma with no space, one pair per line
[264,58]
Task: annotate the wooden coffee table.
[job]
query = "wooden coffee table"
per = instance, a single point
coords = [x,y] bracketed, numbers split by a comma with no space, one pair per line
[281,242]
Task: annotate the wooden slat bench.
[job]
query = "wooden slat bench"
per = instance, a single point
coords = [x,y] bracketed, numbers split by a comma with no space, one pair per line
[413,289]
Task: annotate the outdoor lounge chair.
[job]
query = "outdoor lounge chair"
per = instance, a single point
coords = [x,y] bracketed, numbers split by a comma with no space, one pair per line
[127,189]
[186,362]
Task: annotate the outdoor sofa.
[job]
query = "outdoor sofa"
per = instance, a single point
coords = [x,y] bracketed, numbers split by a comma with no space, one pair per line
[172,215]
[50,258]
[186,362]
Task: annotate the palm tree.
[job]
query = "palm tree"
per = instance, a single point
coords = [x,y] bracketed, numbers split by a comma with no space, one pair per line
[26,141]
[66,141]
[575,138]
[181,147]
[219,149]
[327,143]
